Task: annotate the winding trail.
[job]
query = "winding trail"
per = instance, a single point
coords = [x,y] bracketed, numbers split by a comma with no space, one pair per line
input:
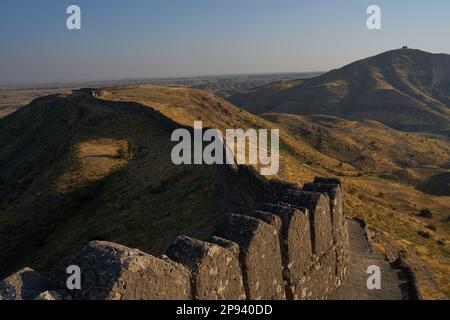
[394,283]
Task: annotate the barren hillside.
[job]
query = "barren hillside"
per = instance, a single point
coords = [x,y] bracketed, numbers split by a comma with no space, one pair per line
[405,89]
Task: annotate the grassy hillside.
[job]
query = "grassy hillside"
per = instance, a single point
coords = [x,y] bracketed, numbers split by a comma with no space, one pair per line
[77,167]
[405,89]
[369,146]
[381,166]
[390,176]
[300,159]
[74,169]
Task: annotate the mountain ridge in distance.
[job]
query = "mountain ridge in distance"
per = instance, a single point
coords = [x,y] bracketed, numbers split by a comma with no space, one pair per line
[406,89]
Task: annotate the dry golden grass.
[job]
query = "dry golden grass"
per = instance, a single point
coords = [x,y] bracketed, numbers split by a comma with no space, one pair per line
[361,153]
[92,161]
[396,215]
[372,157]
[145,202]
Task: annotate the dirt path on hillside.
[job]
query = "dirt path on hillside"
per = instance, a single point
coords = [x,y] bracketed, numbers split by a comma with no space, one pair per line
[394,284]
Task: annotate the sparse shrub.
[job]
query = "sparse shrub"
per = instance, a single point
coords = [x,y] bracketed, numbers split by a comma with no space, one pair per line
[121,153]
[403,253]
[440,242]
[133,150]
[130,153]
[431,227]
[424,234]
[426,213]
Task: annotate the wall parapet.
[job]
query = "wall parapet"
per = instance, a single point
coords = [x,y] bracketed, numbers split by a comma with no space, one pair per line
[285,242]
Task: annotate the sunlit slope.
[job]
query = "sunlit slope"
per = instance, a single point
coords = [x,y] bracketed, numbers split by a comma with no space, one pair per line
[369,146]
[405,89]
[299,160]
[390,176]
[96,165]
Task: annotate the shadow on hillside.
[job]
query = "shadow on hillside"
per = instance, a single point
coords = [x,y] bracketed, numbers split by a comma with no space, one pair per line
[144,204]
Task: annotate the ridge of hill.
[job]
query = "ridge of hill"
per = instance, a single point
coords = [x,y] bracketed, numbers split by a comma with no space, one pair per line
[77,167]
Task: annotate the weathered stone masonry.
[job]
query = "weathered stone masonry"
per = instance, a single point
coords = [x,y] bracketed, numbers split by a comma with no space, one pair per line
[281,242]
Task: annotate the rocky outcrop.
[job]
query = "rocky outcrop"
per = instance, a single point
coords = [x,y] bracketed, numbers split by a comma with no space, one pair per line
[279,242]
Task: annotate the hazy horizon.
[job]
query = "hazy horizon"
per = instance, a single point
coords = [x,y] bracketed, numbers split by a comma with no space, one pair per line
[171,39]
[119,80]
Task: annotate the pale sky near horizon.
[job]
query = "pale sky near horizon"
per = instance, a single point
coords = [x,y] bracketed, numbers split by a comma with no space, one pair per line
[170,38]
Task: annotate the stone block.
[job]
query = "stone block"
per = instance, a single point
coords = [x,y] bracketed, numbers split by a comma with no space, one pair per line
[260,255]
[318,206]
[216,274]
[25,284]
[296,244]
[111,271]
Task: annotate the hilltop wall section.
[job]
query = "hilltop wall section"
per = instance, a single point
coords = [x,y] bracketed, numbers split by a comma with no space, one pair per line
[282,242]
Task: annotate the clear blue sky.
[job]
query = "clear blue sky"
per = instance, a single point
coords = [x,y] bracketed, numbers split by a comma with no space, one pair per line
[158,38]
